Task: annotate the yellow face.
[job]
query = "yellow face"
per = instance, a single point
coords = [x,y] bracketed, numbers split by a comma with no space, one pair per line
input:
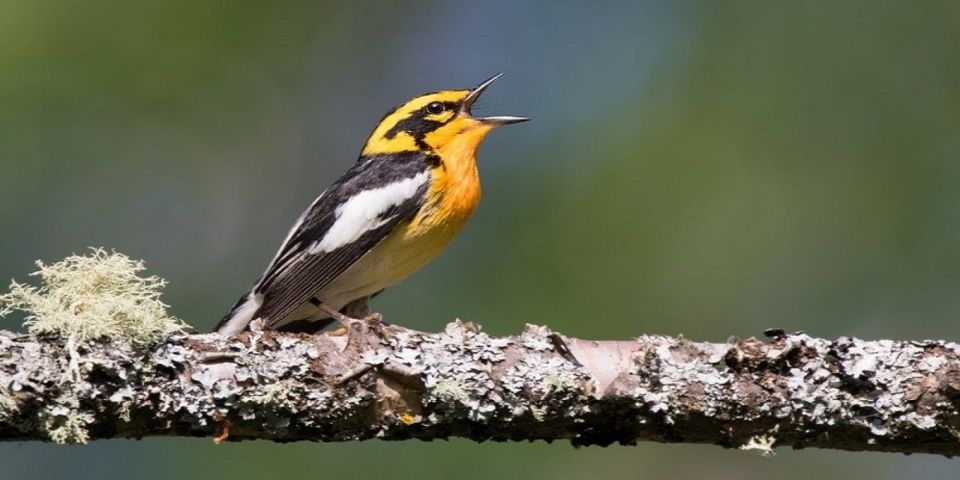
[434,122]
[436,116]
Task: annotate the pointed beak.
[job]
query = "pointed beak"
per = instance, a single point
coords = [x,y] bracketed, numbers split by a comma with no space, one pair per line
[475,94]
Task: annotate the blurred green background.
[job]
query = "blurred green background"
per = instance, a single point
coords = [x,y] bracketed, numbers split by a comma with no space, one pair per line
[706,169]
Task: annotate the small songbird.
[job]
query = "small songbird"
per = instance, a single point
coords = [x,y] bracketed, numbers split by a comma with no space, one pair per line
[407,196]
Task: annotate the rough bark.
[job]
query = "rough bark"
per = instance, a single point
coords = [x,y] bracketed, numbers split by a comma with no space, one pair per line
[393,383]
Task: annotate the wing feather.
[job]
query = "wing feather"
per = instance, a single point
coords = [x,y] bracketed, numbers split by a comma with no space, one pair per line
[312,256]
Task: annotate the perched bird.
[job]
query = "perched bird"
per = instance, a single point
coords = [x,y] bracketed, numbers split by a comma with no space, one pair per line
[407,196]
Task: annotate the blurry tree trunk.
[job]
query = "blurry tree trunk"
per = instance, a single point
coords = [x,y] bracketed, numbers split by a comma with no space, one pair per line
[392,383]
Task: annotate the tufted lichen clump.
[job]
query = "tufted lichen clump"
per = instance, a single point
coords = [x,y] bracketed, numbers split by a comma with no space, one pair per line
[97,296]
[100,296]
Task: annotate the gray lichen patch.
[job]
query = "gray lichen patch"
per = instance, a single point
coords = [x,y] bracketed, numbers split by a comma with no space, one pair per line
[37,396]
[544,385]
[877,385]
[262,382]
[469,375]
[456,369]
[385,381]
[97,296]
[10,381]
[536,337]
[874,390]
[671,372]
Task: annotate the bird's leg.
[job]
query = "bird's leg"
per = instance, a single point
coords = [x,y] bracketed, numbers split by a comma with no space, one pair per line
[354,328]
[336,315]
[355,311]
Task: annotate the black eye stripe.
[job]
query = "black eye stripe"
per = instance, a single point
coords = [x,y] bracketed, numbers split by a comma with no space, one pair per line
[417,125]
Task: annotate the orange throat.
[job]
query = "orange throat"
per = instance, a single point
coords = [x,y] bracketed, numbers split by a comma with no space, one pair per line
[455,189]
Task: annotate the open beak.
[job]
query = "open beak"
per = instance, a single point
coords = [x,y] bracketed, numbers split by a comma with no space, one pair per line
[475,94]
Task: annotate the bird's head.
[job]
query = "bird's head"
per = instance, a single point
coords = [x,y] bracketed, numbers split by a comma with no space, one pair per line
[435,122]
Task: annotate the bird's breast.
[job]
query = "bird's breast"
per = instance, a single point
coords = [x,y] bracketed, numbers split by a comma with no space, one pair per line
[453,195]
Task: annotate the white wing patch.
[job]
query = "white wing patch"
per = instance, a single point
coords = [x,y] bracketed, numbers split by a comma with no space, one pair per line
[361,212]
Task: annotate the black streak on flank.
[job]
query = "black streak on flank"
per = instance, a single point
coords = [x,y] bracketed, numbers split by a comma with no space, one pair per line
[434,161]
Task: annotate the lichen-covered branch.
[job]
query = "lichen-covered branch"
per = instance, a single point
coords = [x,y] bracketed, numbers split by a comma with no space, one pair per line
[388,382]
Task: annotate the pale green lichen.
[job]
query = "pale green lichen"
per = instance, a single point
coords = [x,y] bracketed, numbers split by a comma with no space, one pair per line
[760,444]
[100,296]
[276,395]
[68,427]
[539,413]
[8,407]
[124,412]
[450,391]
[561,384]
[97,296]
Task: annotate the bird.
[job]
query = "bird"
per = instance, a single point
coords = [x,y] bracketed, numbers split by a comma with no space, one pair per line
[410,192]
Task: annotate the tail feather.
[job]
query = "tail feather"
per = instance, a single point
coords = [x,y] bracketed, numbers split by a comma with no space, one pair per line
[240,315]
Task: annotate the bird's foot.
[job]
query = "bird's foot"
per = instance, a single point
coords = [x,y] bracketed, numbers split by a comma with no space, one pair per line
[347,322]
[339,331]
[373,319]
[354,328]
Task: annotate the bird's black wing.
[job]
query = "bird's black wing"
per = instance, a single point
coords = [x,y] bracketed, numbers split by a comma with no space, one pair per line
[301,267]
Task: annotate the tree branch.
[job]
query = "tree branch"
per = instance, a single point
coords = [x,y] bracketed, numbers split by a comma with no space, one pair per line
[393,383]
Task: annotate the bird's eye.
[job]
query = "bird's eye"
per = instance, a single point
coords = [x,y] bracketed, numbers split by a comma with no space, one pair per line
[435,108]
